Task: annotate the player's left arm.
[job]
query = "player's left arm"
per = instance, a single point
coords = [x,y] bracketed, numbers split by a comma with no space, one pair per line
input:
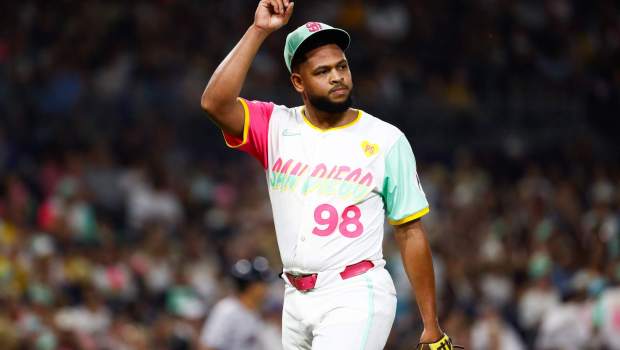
[405,205]
[417,259]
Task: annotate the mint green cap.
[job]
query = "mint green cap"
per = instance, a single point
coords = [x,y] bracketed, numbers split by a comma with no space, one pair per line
[296,38]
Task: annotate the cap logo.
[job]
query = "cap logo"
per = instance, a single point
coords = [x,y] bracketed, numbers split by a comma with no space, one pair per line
[313,26]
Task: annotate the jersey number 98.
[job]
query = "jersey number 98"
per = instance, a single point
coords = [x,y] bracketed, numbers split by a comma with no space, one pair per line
[326,215]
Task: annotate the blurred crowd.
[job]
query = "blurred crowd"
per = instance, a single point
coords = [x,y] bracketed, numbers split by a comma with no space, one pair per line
[121,210]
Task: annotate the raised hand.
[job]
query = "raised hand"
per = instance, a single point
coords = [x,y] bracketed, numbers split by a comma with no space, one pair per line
[271,15]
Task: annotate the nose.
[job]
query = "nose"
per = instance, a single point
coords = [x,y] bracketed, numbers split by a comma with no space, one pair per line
[336,77]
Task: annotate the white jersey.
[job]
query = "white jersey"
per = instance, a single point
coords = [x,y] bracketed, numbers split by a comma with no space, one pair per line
[330,190]
[607,317]
[231,326]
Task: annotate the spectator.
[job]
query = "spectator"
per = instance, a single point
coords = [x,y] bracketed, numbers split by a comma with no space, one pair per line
[492,333]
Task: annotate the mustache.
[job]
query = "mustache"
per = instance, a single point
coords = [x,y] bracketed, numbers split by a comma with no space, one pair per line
[339,86]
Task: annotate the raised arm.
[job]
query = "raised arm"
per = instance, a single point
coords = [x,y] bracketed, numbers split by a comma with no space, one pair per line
[220,96]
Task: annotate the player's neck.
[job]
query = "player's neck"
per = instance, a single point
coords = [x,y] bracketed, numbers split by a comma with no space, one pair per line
[326,120]
[248,301]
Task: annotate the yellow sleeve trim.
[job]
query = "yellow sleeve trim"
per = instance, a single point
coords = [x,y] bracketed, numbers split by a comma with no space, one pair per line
[411,217]
[246,124]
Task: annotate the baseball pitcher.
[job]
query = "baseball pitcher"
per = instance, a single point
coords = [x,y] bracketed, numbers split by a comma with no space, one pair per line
[334,172]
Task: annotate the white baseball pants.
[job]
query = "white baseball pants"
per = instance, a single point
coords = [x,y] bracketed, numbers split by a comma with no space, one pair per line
[352,314]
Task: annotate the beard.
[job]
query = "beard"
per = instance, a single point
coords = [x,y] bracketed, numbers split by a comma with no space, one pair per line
[324,104]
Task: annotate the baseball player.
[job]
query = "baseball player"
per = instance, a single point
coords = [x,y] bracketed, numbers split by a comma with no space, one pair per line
[333,173]
[223,330]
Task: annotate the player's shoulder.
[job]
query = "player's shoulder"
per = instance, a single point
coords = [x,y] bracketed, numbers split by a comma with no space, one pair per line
[284,109]
[376,127]
[268,108]
[227,306]
[280,112]
[380,124]
[284,117]
[287,112]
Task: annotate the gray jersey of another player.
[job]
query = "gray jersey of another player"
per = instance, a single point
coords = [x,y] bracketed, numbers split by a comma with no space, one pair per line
[231,326]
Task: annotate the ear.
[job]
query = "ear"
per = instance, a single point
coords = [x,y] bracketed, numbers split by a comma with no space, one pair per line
[298,83]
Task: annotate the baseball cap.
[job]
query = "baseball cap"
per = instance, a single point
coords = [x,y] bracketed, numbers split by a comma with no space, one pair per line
[249,271]
[317,31]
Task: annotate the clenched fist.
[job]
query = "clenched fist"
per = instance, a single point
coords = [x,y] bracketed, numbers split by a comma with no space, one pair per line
[271,15]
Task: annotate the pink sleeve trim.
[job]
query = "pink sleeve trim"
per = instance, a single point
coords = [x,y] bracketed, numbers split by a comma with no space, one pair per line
[255,138]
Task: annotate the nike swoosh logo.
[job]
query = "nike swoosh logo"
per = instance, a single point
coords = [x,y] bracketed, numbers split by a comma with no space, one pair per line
[288,132]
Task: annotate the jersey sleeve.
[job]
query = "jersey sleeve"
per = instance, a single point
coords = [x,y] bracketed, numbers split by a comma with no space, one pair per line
[255,130]
[402,192]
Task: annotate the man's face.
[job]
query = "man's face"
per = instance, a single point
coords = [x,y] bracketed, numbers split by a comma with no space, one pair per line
[325,79]
[259,291]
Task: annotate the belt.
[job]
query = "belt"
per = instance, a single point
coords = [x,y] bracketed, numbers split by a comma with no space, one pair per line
[304,283]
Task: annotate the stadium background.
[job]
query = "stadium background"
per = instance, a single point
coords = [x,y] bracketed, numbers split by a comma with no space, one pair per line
[120,208]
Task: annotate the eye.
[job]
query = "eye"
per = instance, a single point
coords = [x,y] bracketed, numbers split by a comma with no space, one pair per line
[342,66]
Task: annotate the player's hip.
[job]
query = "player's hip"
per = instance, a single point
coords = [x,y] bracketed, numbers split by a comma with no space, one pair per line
[370,294]
[358,275]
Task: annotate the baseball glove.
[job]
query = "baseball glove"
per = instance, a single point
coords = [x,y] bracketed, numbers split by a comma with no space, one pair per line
[445,343]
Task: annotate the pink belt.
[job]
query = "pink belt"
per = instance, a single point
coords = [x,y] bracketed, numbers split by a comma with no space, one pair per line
[304,283]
